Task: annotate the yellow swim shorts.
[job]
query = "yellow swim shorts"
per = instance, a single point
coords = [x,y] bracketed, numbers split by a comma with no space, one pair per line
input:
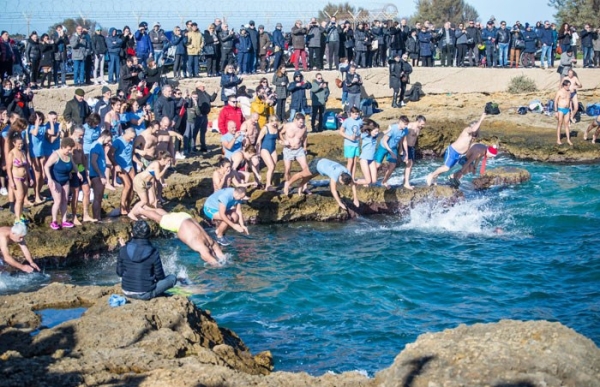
[172,221]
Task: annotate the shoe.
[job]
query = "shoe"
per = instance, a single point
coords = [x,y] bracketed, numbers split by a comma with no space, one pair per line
[222,241]
[202,149]
[104,83]
[96,83]
[3,191]
[67,224]
[179,156]
[402,104]
[54,226]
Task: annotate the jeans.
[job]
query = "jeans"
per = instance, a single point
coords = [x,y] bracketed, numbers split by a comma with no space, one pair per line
[161,286]
[192,65]
[142,58]
[251,62]
[353,100]
[588,56]
[333,54]
[490,52]
[157,54]
[280,109]
[202,128]
[189,136]
[178,65]
[61,66]
[447,56]
[277,60]
[313,58]
[244,62]
[361,58]
[98,67]
[317,115]
[114,67]
[503,54]
[546,52]
[78,72]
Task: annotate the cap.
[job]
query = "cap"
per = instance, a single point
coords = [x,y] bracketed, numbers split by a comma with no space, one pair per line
[278,25]
[98,27]
[106,89]
[156,24]
[261,27]
[251,22]
[490,22]
[79,92]
[493,150]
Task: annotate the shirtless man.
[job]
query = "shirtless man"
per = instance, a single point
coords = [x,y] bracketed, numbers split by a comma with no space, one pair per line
[294,140]
[82,184]
[414,128]
[15,234]
[144,146]
[165,143]
[250,131]
[474,155]
[595,124]
[188,231]
[575,84]
[456,150]
[562,103]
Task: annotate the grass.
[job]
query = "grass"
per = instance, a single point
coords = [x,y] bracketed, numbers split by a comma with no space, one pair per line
[521,84]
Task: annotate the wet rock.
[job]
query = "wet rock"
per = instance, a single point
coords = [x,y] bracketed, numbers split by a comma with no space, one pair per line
[508,353]
[501,177]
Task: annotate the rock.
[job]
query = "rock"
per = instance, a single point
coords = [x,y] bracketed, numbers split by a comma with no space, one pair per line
[501,177]
[508,353]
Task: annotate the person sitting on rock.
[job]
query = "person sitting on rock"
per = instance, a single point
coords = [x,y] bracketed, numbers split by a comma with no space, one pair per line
[456,150]
[334,171]
[225,209]
[595,124]
[16,234]
[140,267]
[471,159]
[188,231]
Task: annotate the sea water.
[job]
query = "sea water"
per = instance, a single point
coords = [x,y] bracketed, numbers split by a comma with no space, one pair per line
[349,296]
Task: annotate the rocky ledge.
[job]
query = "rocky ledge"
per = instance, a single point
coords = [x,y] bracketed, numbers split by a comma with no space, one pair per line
[501,177]
[171,342]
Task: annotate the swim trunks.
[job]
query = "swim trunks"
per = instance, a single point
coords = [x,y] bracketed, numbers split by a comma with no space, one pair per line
[172,221]
[312,166]
[293,154]
[139,184]
[451,157]
[564,111]
[411,153]
[210,212]
[381,153]
[351,152]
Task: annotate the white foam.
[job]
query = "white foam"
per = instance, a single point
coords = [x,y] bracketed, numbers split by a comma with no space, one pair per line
[171,265]
[19,281]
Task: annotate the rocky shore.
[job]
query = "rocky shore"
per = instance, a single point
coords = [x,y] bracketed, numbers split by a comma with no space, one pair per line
[171,342]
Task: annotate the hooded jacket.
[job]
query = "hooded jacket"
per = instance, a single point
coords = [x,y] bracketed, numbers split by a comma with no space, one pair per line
[298,92]
[114,43]
[99,46]
[143,44]
[33,51]
[139,266]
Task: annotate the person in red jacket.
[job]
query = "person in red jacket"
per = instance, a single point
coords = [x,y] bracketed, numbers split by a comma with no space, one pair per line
[230,112]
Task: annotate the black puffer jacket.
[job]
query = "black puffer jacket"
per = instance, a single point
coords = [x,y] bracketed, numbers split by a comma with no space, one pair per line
[33,51]
[139,266]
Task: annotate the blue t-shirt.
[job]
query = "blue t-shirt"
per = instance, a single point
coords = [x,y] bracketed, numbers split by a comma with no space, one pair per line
[395,135]
[97,149]
[222,196]
[5,131]
[351,128]
[49,147]
[89,136]
[237,145]
[123,153]
[127,117]
[331,169]
[36,143]
[369,145]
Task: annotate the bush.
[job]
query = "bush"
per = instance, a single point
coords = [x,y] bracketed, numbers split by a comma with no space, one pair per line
[521,84]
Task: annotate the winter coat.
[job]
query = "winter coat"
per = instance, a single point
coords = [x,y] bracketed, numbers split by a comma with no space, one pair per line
[398,38]
[280,84]
[114,43]
[194,42]
[33,51]
[278,39]
[586,38]
[413,47]
[99,44]
[314,36]
[443,42]
[227,41]
[143,44]
[502,35]
[515,36]
[489,36]
[298,38]
[360,37]
[244,43]
[229,81]
[333,32]
[425,43]
[61,44]
[76,112]
[264,42]
[139,266]
[158,39]
[353,83]
[253,34]
[205,100]
[461,37]
[48,50]
[475,34]
[230,113]
[530,38]
[177,42]
[318,95]
[545,36]
[298,92]
[263,109]
[210,49]
[78,46]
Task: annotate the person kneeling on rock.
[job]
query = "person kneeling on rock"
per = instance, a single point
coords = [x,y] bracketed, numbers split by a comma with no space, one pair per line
[471,159]
[140,267]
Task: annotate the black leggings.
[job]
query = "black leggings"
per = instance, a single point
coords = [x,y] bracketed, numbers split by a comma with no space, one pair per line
[461,52]
[177,65]
[35,70]
[280,109]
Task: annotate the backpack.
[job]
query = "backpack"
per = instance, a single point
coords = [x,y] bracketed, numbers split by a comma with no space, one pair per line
[331,121]
[492,108]
[366,107]
[522,110]
[593,110]
[415,93]
[550,106]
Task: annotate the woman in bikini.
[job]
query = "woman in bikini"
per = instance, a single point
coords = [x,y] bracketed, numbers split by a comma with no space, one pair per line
[112,122]
[267,139]
[18,173]
[144,182]
[58,168]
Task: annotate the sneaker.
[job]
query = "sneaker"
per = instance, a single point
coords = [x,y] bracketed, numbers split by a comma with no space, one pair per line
[3,191]
[54,226]
[96,82]
[179,156]
[104,83]
[222,241]
[402,103]
[67,224]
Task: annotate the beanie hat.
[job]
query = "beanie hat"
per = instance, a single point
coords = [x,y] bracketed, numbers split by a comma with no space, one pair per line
[493,150]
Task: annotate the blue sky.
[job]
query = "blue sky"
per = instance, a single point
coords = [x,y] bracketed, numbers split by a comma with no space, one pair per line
[268,12]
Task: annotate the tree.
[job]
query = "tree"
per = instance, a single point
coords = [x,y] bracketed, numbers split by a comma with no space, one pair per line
[343,12]
[441,11]
[70,24]
[576,12]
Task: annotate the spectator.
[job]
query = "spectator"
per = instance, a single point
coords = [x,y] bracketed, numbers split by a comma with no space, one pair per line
[165,105]
[564,37]
[462,45]
[143,45]
[227,39]
[332,32]
[280,81]
[244,48]
[229,82]
[7,56]
[77,110]
[79,47]
[299,45]
[263,103]
[99,48]
[400,71]
[545,36]
[319,93]
[596,45]
[158,39]
[264,43]
[353,83]
[128,44]
[297,89]
[193,43]
[204,101]
[489,36]
[413,47]
[33,55]
[253,53]
[140,267]
[61,42]
[47,60]
[230,112]
[114,45]
[503,41]
[447,42]
[587,45]
[278,46]
[530,38]
[313,35]
[473,41]
[517,44]
[361,40]
[178,42]
[347,37]
[211,48]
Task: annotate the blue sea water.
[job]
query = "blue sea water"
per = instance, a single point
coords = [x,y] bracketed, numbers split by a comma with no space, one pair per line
[349,296]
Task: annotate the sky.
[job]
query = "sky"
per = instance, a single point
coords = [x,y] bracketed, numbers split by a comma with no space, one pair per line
[117,13]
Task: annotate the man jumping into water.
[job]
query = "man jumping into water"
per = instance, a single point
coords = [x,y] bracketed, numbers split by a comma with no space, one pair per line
[457,149]
[474,155]
[562,101]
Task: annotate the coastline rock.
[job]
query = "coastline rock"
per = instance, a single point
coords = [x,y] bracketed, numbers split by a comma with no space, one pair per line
[507,353]
[501,177]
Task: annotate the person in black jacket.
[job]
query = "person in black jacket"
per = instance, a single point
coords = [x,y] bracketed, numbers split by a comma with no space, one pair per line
[33,55]
[140,267]
[99,49]
[400,71]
